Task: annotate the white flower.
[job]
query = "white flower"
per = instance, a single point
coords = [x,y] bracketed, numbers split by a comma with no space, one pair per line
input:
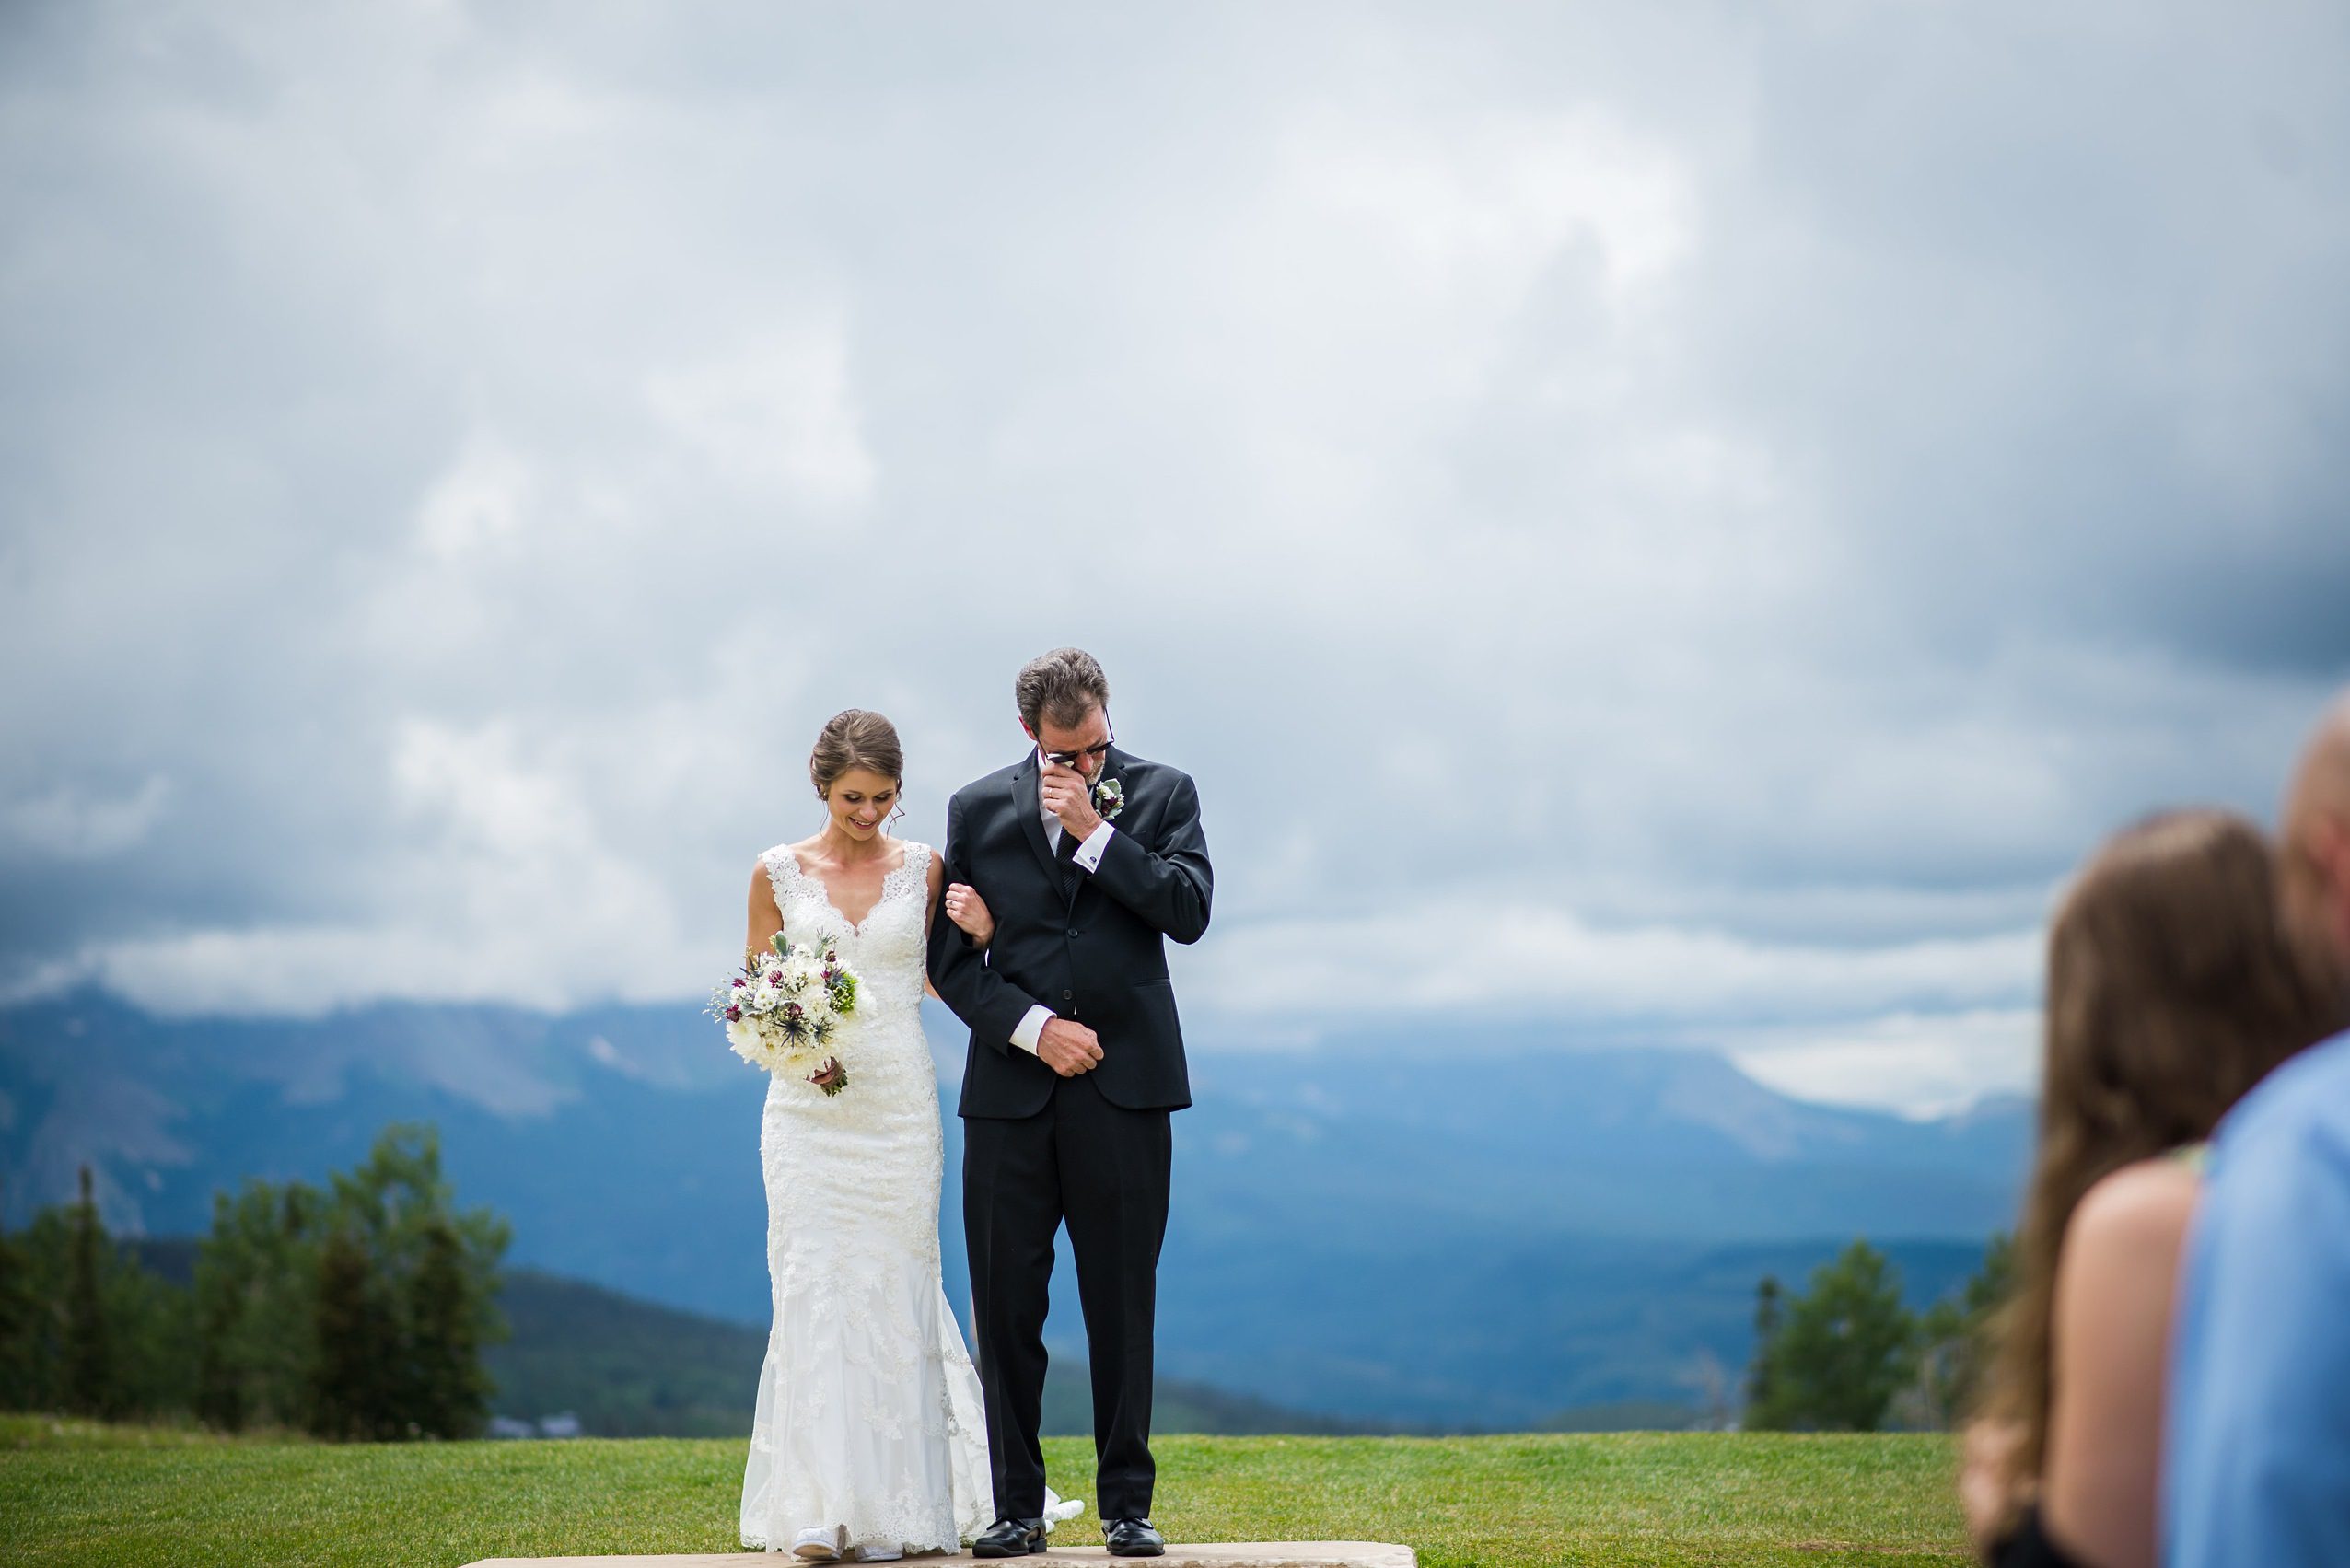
[742,1035]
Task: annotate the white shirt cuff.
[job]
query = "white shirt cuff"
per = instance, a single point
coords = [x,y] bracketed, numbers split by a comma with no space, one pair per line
[1026,1033]
[1088,854]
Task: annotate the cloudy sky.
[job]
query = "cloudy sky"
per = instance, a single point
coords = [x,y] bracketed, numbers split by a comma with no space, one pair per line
[1647,521]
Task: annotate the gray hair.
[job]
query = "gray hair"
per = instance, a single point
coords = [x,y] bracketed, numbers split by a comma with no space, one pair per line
[1064,686]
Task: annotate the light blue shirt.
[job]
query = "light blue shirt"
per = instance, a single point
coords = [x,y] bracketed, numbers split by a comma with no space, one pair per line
[2256,1453]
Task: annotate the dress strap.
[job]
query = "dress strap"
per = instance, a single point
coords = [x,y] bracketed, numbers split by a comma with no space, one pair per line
[913,869]
[782,869]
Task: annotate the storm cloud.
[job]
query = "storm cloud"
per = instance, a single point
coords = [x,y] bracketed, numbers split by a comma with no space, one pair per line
[1674,522]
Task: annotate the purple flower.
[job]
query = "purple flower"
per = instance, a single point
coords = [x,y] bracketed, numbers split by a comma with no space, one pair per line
[740,982]
[734,1014]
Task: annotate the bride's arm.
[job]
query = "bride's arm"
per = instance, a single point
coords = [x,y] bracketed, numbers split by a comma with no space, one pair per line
[963,906]
[937,875]
[766,919]
[992,1005]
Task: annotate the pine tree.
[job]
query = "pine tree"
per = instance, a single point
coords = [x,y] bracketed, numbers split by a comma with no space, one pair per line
[357,1312]
[151,1337]
[1759,1403]
[19,1309]
[356,1348]
[46,1247]
[452,1389]
[1956,1336]
[1843,1350]
[256,1307]
[223,1276]
[90,1373]
[440,1293]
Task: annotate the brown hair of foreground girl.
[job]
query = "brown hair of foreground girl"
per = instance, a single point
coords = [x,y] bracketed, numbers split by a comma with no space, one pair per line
[2172,989]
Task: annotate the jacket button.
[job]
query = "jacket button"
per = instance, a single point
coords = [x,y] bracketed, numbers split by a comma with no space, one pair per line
[1073,931]
[1068,995]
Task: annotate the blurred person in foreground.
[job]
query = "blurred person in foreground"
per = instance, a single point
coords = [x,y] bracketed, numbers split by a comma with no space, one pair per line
[2173,988]
[2256,1464]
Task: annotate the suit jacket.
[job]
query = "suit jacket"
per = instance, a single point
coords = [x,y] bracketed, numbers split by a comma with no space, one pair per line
[1097,955]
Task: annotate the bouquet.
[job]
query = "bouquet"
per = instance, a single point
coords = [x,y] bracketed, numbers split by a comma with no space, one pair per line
[783,1010]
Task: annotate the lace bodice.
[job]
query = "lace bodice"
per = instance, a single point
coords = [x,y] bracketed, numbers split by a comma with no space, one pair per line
[887,948]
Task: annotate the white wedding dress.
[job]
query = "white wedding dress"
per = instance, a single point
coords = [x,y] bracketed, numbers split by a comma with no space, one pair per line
[868,1413]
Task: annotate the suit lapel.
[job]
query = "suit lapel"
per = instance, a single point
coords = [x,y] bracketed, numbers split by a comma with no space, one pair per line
[1028,799]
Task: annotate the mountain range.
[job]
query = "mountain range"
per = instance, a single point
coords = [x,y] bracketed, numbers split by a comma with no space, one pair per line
[1497,1236]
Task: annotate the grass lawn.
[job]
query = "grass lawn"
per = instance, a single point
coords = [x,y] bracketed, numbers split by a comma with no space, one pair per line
[72,1493]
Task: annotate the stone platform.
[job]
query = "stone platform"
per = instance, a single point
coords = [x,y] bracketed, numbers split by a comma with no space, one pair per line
[1222,1555]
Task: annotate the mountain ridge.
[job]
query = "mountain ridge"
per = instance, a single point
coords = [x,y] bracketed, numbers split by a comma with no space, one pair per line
[1569,1221]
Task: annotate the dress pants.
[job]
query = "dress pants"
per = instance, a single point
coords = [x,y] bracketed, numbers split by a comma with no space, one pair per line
[1104,1170]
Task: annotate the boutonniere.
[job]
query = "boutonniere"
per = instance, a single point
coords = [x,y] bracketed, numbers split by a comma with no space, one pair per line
[1109,798]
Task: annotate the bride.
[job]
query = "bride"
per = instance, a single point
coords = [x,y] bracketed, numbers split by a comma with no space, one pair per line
[868,1441]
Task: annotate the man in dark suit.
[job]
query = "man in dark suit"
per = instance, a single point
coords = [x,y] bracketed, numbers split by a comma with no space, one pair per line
[1090,859]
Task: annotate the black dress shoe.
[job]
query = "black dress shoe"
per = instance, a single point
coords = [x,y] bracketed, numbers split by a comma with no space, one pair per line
[1131,1538]
[1011,1537]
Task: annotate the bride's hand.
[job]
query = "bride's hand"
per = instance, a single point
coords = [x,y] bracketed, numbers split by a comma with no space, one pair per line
[970,911]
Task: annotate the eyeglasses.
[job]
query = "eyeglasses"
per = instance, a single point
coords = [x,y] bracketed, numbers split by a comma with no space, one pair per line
[1070,759]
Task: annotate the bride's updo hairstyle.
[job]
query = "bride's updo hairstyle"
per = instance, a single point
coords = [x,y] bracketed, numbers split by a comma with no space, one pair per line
[855,739]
